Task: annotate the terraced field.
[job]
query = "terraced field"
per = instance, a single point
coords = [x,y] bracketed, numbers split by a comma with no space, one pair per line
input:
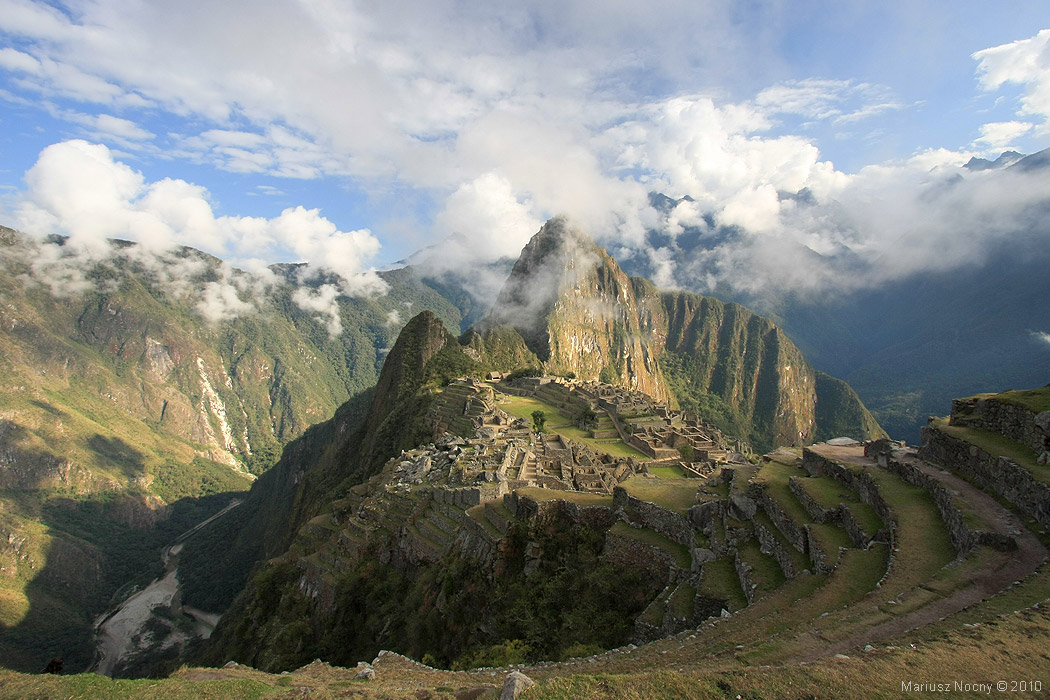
[825,573]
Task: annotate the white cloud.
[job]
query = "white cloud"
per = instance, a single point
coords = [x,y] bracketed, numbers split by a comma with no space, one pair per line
[1026,62]
[79,190]
[1000,135]
[1041,336]
[323,302]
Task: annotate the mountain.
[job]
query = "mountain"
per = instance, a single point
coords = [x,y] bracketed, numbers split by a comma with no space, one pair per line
[126,417]
[908,346]
[579,312]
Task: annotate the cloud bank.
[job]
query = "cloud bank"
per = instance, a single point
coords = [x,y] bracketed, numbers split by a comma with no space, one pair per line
[500,117]
[80,191]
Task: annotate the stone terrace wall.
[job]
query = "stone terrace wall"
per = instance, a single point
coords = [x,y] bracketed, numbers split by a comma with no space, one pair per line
[784,523]
[621,550]
[526,508]
[668,523]
[860,482]
[998,475]
[1010,420]
[840,515]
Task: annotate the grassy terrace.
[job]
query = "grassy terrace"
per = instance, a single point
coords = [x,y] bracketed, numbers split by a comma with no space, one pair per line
[997,446]
[1035,400]
[674,494]
[683,600]
[582,499]
[829,493]
[774,476]
[799,559]
[680,553]
[558,422]
[477,514]
[721,582]
[672,472]
[765,572]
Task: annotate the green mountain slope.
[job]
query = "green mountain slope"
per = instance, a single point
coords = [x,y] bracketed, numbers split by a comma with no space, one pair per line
[121,404]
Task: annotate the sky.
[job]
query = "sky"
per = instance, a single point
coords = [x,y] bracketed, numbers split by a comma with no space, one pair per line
[349,135]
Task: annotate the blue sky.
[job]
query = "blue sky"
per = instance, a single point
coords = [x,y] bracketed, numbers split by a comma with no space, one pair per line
[405,122]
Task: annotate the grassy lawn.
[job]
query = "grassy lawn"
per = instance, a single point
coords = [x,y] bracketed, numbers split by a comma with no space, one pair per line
[997,446]
[680,553]
[765,572]
[672,472]
[558,422]
[674,494]
[582,499]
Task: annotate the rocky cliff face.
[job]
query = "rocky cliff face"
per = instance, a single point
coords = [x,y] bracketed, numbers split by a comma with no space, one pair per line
[579,312]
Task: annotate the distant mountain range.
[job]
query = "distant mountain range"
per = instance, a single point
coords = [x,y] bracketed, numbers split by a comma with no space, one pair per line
[909,346]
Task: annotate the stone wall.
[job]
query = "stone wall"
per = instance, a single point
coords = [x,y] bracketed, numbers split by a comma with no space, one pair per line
[770,544]
[743,572]
[1009,420]
[784,523]
[840,515]
[649,515]
[963,537]
[857,481]
[621,550]
[820,558]
[995,474]
[526,508]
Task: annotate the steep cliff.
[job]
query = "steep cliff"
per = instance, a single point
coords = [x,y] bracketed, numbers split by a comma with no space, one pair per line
[580,313]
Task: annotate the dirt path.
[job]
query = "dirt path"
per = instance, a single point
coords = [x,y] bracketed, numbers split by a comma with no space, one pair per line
[1003,569]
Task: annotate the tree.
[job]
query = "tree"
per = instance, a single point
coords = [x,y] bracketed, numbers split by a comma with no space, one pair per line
[585,418]
[538,419]
[686,450]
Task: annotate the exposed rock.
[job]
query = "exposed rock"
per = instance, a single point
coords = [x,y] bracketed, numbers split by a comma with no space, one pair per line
[515,684]
[745,507]
[365,672]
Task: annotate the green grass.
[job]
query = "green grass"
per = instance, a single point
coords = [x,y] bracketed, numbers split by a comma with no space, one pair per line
[671,472]
[798,558]
[674,494]
[765,572]
[683,601]
[1035,400]
[582,499]
[89,686]
[721,582]
[829,493]
[558,422]
[997,446]
[774,475]
[680,553]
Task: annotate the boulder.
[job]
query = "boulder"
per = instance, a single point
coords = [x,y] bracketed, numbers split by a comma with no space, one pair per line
[365,671]
[515,684]
[743,505]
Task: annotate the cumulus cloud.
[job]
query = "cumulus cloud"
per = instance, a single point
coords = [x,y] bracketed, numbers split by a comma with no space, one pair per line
[1041,336]
[504,116]
[999,135]
[323,302]
[79,190]
[1025,62]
